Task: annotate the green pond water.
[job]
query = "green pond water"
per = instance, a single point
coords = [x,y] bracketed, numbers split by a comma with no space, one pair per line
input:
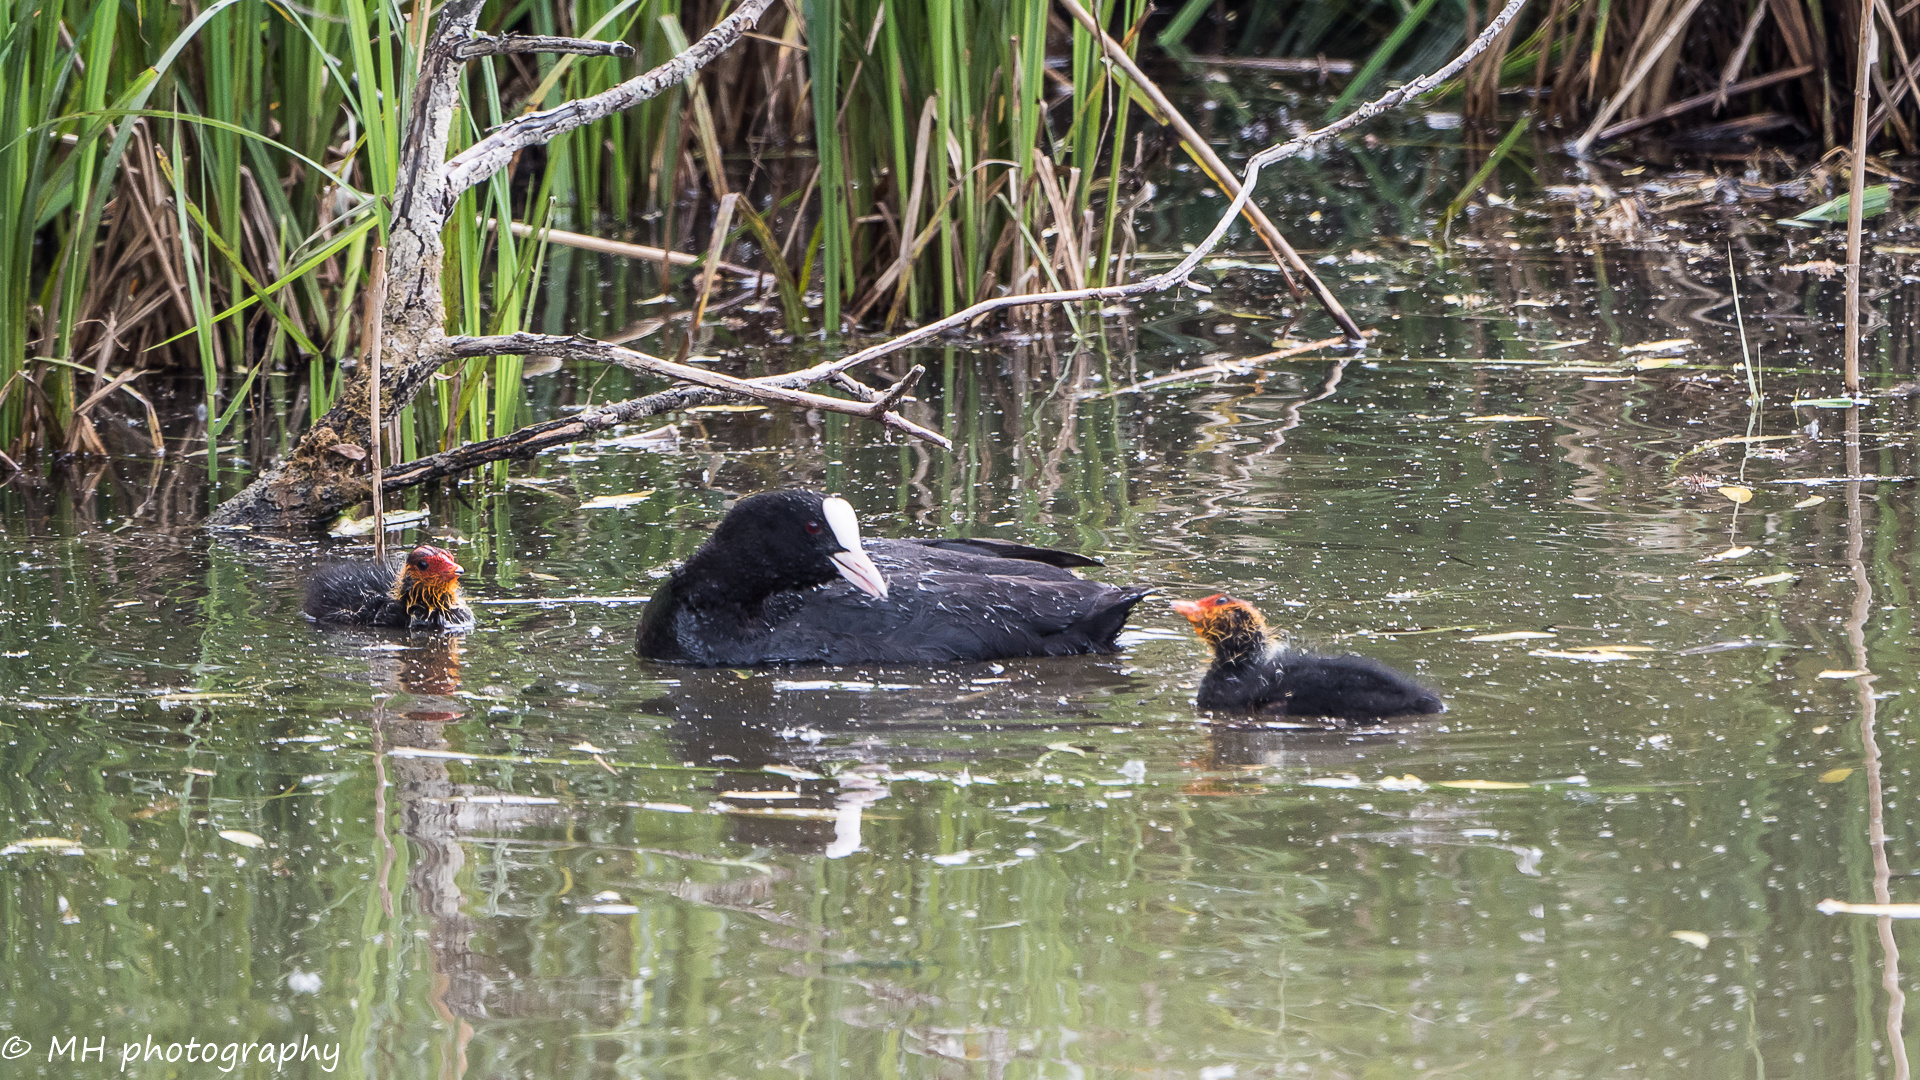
[526,852]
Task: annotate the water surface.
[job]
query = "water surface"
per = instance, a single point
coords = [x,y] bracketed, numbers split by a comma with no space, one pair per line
[527,852]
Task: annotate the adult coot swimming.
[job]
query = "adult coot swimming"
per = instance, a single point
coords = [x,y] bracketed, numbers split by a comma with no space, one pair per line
[1252,673]
[785,578]
[421,592]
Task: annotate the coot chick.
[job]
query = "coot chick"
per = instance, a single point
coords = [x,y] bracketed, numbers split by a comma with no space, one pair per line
[1252,673]
[420,593]
[785,578]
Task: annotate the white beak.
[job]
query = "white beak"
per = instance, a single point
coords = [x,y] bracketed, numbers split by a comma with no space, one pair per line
[853,563]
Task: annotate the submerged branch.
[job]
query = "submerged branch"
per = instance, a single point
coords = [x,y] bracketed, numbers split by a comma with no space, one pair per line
[547,435]
[781,389]
[492,153]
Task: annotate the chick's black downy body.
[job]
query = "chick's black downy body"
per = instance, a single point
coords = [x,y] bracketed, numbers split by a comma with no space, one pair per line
[1251,673]
[785,578]
[420,592]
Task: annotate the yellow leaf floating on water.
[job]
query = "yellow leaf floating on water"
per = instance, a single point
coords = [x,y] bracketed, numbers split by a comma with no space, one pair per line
[1653,363]
[1841,673]
[1892,911]
[1737,494]
[1834,776]
[155,808]
[1692,937]
[1730,553]
[1502,418]
[1662,346]
[46,842]
[243,837]
[614,502]
[1598,654]
[1770,579]
[1811,500]
[1483,785]
[1408,782]
[1512,635]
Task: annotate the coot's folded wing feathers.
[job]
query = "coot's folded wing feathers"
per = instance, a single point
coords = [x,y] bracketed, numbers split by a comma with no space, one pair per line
[943,617]
[1007,549]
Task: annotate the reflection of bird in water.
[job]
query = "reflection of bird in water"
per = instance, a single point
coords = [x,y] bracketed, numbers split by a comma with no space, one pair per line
[427,669]
[786,578]
[422,592]
[1253,673]
[864,718]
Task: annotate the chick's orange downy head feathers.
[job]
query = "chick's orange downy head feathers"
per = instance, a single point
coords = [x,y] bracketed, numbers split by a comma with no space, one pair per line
[431,562]
[1222,619]
[429,579]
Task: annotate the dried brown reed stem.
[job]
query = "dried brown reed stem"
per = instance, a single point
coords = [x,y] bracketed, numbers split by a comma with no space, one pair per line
[1856,193]
[376,289]
[1648,59]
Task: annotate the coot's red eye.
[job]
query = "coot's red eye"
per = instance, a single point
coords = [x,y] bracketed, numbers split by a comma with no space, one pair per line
[813,528]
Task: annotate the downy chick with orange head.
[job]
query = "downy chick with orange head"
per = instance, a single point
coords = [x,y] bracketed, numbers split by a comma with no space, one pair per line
[421,593]
[1254,673]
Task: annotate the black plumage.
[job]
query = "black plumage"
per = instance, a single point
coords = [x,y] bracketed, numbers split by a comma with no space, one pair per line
[779,582]
[1252,673]
[419,592]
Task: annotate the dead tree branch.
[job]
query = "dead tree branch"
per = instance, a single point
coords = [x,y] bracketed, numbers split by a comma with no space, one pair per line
[315,482]
[503,44]
[780,390]
[547,435]
[533,439]
[492,153]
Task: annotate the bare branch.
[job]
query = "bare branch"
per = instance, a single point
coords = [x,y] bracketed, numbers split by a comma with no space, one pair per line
[492,153]
[500,45]
[780,389]
[534,438]
[881,400]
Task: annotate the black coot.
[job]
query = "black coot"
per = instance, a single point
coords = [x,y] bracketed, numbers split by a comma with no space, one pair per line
[785,578]
[421,592]
[1252,673]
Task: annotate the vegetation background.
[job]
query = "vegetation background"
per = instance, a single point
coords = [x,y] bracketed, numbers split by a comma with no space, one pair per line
[197,188]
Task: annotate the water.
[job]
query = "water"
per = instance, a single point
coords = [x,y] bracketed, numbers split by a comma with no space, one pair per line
[528,852]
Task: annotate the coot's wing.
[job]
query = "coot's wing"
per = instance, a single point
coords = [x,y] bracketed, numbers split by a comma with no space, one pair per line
[941,617]
[1007,549]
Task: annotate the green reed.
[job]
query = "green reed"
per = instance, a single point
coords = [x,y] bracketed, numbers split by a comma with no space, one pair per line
[202,189]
